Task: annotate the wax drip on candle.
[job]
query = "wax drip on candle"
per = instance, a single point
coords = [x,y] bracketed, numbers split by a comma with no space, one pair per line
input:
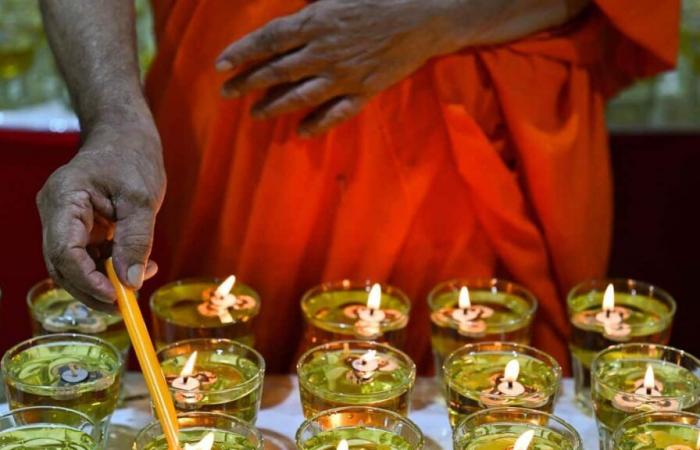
[524,440]
[206,443]
[342,445]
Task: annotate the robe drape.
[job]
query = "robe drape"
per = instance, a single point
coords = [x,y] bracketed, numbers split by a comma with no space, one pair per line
[492,161]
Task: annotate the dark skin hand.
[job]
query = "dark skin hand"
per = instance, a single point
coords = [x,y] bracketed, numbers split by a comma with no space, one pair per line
[330,57]
[333,56]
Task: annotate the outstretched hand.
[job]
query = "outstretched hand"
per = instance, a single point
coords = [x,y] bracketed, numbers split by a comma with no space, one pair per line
[334,55]
[102,203]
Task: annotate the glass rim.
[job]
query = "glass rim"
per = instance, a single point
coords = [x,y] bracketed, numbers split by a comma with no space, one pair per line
[657,293]
[202,279]
[58,337]
[479,284]
[63,409]
[194,414]
[251,383]
[505,347]
[641,345]
[347,285]
[369,345]
[647,417]
[550,418]
[32,295]
[394,415]
[94,429]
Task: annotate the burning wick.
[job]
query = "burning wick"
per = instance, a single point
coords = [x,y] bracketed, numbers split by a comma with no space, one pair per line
[206,443]
[466,312]
[342,445]
[649,386]
[74,374]
[509,385]
[186,382]
[373,313]
[367,362]
[523,442]
[609,315]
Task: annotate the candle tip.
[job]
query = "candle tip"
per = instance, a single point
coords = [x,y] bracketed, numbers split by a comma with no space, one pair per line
[609,298]
[374,299]
[464,300]
[523,442]
[225,288]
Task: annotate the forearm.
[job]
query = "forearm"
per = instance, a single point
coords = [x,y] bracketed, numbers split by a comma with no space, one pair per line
[94,44]
[489,22]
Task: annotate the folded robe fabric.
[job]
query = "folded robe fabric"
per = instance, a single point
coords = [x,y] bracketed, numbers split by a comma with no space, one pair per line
[491,161]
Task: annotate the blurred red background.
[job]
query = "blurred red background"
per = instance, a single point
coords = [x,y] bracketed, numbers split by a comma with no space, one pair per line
[657,185]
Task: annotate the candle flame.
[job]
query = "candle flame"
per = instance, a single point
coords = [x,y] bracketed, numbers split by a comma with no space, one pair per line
[512,371]
[374,300]
[523,442]
[370,355]
[609,298]
[225,288]
[649,381]
[206,443]
[697,444]
[464,300]
[342,445]
[188,368]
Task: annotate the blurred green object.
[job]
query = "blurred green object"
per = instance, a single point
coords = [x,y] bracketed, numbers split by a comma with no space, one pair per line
[28,75]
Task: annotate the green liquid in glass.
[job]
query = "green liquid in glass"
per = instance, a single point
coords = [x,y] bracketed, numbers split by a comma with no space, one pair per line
[494,438]
[54,306]
[473,375]
[229,393]
[34,378]
[359,438]
[45,437]
[223,440]
[658,436]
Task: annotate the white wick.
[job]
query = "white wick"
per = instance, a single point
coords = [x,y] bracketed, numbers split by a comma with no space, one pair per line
[342,445]
[186,381]
[206,443]
[523,442]
[367,362]
[510,386]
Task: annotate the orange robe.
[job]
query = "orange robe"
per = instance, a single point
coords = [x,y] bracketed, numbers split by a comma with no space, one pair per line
[490,161]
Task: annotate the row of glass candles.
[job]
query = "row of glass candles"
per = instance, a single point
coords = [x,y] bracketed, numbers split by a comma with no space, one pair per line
[355,382]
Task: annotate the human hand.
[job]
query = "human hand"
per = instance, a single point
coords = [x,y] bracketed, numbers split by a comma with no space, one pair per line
[104,201]
[334,55]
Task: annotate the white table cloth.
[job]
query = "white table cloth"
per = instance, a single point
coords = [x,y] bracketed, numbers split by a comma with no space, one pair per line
[280,414]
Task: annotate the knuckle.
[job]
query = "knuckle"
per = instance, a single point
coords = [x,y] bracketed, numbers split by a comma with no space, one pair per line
[269,38]
[136,243]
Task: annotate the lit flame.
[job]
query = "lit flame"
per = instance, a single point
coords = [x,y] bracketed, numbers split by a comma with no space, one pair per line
[206,443]
[697,444]
[523,442]
[342,445]
[369,356]
[464,301]
[188,369]
[374,300]
[609,298]
[512,371]
[225,288]
[649,381]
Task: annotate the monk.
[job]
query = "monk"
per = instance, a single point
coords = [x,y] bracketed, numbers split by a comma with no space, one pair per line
[405,141]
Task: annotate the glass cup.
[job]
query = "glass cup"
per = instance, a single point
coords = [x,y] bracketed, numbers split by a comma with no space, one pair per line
[53,310]
[648,314]
[42,427]
[658,430]
[499,428]
[228,374]
[362,427]
[74,371]
[500,311]
[354,373]
[621,384]
[475,378]
[338,311]
[230,433]
[176,311]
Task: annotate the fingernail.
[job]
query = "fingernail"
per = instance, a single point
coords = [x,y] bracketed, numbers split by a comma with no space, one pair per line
[135,275]
[223,65]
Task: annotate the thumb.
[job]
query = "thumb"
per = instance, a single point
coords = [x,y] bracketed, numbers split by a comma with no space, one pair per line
[133,239]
